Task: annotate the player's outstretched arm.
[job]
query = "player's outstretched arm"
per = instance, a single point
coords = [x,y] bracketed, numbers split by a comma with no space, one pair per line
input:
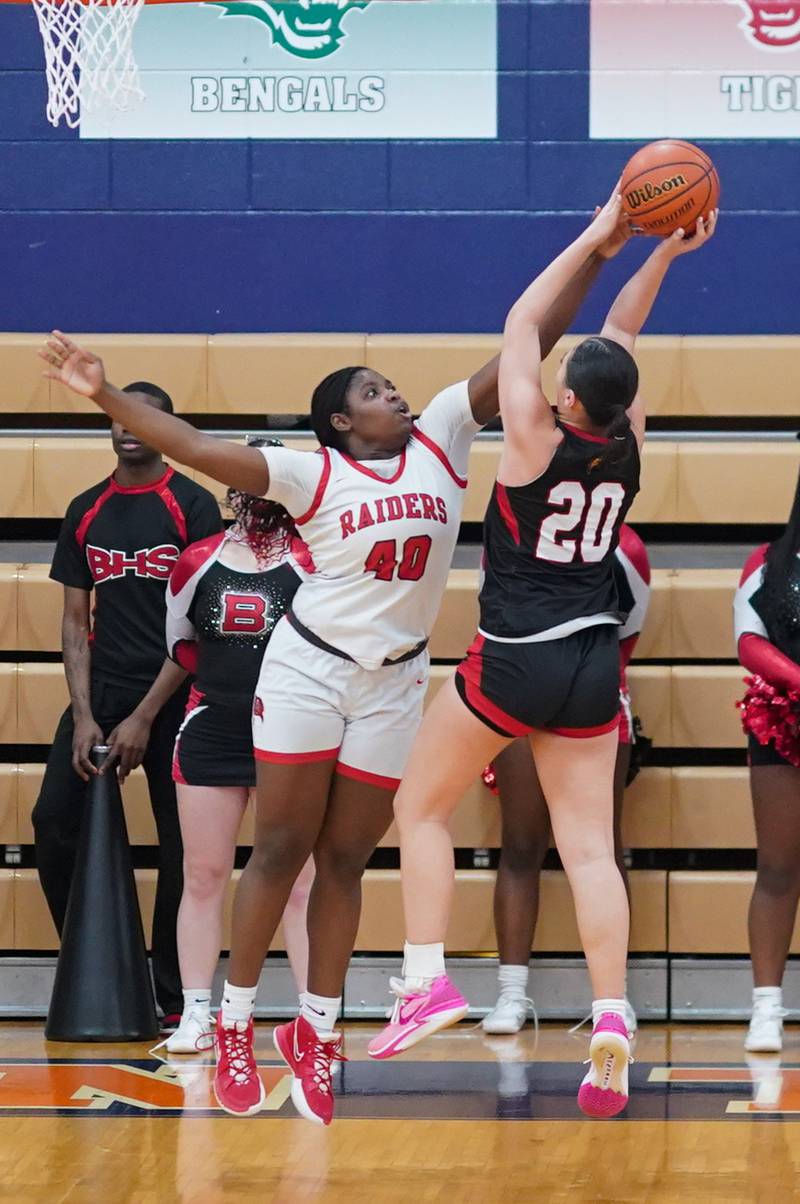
[230,463]
[527,417]
[632,307]
[483,385]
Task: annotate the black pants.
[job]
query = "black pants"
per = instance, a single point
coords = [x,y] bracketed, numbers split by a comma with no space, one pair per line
[58,813]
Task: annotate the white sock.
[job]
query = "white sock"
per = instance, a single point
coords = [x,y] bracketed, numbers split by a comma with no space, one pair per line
[601,1006]
[198,999]
[321,1012]
[773,994]
[513,981]
[422,963]
[238,1004]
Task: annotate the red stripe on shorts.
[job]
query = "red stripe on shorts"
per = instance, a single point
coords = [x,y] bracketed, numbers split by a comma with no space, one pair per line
[361,775]
[300,758]
[471,671]
[583,733]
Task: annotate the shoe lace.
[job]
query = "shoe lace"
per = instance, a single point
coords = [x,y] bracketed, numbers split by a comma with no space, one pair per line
[323,1055]
[236,1045]
[401,992]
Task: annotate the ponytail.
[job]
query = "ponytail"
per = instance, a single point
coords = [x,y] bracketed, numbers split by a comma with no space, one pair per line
[620,441]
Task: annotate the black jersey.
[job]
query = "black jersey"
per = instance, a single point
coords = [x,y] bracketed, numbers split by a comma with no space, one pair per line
[219,619]
[123,543]
[549,545]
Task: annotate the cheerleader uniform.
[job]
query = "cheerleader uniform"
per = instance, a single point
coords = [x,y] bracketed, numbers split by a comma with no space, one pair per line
[219,622]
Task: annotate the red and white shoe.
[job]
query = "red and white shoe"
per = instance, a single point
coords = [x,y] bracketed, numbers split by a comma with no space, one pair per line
[310,1059]
[237,1083]
[604,1090]
[418,1014]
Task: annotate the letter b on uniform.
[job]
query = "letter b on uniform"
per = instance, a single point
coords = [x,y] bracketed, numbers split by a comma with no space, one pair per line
[243,614]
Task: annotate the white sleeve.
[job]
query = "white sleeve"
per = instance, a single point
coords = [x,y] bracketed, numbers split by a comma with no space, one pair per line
[293,477]
[746,619]
[448,421]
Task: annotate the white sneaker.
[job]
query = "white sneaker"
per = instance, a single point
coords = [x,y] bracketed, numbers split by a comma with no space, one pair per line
[195,1023]
[631,1022]
[508,1015]
[765,1034]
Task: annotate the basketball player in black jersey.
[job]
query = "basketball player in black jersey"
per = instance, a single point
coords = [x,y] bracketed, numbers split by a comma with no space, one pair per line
[118,544]
[546,660]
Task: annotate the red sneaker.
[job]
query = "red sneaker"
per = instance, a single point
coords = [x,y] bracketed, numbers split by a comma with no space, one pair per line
[309,1057]
[237,1083]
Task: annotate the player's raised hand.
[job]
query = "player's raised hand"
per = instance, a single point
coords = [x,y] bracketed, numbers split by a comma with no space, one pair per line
[606,221]
[679,244]
[622,233]
[70,365]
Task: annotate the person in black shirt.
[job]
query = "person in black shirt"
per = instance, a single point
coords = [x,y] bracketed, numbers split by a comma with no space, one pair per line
[120,541]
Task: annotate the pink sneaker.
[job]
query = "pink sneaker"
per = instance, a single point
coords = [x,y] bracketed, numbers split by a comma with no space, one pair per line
[604,1090]
[417,1015]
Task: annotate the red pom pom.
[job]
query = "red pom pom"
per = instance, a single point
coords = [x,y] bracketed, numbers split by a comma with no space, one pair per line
[490,779]
[772,717]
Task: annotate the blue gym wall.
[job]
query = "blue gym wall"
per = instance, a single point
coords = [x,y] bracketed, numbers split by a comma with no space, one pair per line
[403,236]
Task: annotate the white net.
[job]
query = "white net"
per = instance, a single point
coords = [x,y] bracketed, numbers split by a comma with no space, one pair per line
[88,49]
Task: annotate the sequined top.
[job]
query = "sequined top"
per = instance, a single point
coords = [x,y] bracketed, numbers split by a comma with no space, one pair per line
[220,619]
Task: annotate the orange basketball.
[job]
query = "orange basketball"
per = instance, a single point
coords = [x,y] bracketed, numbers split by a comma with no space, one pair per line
[669,184]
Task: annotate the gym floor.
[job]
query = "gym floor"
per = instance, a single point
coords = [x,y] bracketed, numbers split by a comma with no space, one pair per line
[462,1117]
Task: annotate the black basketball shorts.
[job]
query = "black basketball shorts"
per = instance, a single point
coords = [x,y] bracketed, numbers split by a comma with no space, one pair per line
[569,686]
[214,746]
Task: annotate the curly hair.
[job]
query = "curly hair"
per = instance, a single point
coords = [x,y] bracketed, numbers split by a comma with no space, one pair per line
[268,526]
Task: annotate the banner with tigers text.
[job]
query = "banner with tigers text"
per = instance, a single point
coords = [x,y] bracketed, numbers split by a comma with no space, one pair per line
[695,69]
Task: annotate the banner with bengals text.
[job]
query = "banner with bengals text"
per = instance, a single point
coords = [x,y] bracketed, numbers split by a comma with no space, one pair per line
[695,69]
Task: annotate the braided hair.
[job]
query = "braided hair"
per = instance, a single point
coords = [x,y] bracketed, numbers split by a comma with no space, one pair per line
[604,378]
[329,398]
[268,526]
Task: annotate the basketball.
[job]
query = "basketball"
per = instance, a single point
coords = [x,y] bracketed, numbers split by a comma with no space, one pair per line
[669,184]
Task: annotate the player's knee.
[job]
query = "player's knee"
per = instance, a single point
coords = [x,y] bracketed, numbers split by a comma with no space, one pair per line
[524,857]
[778,878]
[203,879]
[340,864]
[279,854]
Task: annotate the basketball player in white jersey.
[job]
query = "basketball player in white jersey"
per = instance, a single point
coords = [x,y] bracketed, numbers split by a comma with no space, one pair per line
[343,682]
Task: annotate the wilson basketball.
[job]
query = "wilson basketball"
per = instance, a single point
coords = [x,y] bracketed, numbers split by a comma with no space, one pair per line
[668,184]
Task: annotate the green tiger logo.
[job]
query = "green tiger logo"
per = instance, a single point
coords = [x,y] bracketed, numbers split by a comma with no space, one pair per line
[310,29]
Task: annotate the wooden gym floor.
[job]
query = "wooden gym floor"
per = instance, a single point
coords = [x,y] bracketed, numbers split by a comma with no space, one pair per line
[461,1118]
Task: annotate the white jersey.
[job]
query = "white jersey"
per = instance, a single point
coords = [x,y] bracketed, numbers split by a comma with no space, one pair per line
[381,533]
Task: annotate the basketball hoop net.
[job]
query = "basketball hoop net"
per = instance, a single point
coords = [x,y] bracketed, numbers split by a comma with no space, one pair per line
[88,50]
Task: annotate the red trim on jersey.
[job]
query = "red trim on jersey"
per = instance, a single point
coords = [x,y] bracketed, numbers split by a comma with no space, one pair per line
[361,775]
[92,513]
[186,653]
[753,563]
[319,493]
[191,559]
[584,434]
[471,670]
[177,772]
[174,507]
[509,517]
[426,441]
[583,733]
[633,547]
[154,486]
[279,758]
[376,476]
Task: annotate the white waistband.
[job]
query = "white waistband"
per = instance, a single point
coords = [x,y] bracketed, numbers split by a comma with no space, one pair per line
[556,633]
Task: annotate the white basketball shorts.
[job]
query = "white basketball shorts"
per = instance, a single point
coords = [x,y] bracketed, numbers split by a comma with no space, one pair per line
[311,705]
